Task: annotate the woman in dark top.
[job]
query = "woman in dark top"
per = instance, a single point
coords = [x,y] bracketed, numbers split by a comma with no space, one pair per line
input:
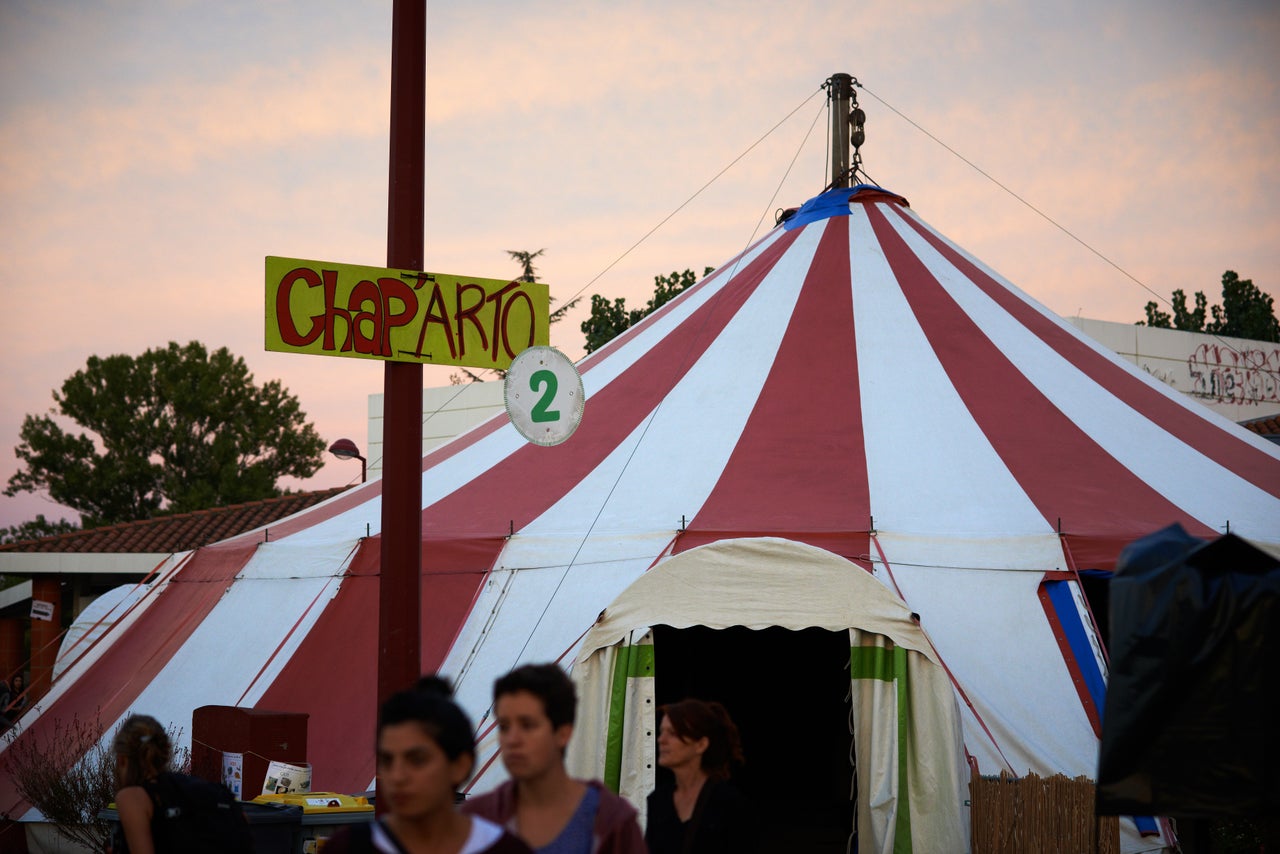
[17,702]
[702,812]
[142,754]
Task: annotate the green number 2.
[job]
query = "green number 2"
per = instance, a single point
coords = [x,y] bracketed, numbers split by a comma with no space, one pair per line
[541,410]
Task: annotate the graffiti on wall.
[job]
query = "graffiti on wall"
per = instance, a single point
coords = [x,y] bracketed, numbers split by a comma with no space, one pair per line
[1165,377]
[1225,375]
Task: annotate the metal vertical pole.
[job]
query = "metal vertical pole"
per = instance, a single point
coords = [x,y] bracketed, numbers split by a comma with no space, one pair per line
[399,593]
[840,94]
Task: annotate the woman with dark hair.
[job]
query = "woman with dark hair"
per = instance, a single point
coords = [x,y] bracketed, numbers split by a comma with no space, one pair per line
[142,751]
[426,751]
[17,702]
[163,811]
[701,811]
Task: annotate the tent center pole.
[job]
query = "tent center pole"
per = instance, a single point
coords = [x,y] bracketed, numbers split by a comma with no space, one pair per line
[840,94]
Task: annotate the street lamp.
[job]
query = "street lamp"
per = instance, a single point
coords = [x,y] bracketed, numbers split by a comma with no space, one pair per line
[345,449]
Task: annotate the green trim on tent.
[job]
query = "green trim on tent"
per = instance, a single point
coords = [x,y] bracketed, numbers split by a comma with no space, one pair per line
[902,828]
[872,662]
[633,662]
[889,664]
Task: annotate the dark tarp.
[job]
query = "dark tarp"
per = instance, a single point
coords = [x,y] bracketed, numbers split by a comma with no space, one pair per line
[1191,718]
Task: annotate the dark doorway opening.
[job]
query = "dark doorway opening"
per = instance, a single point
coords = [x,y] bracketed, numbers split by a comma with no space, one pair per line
[1096,586]
[788,692]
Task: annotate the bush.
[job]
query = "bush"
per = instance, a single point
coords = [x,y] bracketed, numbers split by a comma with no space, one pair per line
[70,776]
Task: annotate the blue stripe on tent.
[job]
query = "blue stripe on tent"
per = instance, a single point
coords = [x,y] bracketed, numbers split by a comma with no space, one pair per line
[1069,618]
[1064,605]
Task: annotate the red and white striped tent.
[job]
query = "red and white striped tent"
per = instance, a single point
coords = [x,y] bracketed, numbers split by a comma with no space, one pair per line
[853,391]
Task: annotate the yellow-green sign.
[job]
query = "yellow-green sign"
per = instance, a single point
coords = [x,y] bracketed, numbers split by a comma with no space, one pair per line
[401,315]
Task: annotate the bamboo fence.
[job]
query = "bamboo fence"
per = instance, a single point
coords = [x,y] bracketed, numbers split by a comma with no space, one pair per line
[1055,815]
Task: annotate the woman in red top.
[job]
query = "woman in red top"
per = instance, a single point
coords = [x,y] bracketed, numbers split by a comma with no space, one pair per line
[535,706]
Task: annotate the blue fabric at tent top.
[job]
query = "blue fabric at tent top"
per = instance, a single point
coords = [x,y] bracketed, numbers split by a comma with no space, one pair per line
[836,203]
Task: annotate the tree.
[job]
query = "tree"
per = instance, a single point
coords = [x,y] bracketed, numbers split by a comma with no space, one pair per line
[1190,321]
[609,319]
[1156,318]
[528,273]
[1246,312]
[35,529]
[177,428]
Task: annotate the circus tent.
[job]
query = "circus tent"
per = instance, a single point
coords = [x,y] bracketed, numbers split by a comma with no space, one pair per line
[852,384]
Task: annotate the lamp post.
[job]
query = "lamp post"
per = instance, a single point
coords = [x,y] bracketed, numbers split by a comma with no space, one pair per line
[345,449]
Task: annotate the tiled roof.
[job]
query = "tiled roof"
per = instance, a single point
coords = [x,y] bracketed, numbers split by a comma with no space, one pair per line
[177,533]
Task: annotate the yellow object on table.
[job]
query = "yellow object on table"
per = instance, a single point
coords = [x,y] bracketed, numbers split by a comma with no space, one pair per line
[318,802]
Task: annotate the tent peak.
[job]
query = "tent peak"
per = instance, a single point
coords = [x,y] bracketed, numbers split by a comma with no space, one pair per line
[836,203]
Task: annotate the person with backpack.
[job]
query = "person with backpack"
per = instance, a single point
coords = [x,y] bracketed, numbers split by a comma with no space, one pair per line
[165,812]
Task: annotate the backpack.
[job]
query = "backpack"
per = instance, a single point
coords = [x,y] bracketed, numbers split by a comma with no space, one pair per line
[197,816]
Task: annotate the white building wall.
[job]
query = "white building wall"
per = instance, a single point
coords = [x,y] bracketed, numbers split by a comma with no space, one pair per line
[1237,378]
[447,411]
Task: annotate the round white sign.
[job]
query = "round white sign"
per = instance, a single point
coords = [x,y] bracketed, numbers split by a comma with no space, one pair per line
[544,395]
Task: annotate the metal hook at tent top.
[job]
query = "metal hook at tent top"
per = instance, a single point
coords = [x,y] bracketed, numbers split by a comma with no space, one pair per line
[847,129]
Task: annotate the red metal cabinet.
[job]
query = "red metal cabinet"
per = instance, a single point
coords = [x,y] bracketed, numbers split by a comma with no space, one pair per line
[261,736]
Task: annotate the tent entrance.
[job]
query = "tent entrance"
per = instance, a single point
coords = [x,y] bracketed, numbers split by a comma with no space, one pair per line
[788,692]
[786,686]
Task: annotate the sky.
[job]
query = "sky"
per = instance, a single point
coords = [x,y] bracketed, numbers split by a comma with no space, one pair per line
[153,153]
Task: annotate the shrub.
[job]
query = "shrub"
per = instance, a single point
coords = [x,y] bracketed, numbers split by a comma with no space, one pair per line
[69,775]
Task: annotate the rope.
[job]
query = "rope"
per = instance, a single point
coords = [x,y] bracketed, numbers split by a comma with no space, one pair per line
[695,195]
[252,753]
[1049,219]
[1028,204]
[954,681]
[648,422]
[706,315]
